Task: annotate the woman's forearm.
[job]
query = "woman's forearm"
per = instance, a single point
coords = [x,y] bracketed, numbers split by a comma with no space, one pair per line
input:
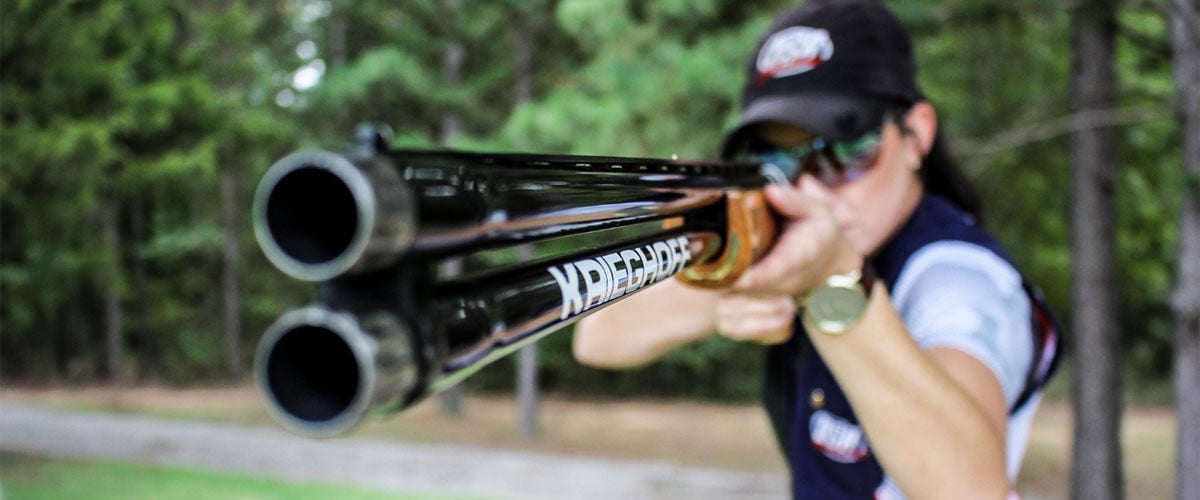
[933,438]
[642,328]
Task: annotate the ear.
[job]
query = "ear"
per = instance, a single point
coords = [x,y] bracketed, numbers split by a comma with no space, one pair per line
[922,121]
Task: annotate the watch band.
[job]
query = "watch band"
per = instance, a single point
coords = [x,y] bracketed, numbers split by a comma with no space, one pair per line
[839,303]
[865,278]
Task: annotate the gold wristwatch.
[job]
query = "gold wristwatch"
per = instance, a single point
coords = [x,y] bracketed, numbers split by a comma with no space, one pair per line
[839,303]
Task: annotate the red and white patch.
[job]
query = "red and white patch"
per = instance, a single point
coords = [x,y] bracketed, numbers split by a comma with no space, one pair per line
[793,51]
[836,437]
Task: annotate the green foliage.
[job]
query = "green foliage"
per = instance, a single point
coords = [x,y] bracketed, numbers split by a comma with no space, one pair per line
[132,105]
[1017,55]
[652,91]
[1150,189]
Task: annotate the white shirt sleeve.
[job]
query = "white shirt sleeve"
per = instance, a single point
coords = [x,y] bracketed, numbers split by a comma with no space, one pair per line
[962,296]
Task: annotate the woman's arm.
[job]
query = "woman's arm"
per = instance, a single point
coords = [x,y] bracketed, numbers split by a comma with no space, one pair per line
[935,420]
[643,327]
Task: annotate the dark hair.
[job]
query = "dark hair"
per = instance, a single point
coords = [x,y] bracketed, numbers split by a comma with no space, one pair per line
[940,172]
[942,175]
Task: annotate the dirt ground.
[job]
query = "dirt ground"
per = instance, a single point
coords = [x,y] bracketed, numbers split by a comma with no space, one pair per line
[735,437]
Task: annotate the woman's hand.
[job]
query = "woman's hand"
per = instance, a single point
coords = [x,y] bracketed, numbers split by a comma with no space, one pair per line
[761,306]
[809,249]
[752,317]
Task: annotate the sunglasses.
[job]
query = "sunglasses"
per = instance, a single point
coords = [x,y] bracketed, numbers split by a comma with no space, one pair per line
[831,163]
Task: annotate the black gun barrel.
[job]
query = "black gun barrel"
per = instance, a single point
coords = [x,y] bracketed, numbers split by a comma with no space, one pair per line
[324,370]
[376,227]
[319,215]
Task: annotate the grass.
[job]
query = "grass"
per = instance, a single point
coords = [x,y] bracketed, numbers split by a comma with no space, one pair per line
[29,478]
[732,436]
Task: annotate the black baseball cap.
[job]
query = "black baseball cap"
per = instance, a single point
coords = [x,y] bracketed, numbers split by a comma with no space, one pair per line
[833,67]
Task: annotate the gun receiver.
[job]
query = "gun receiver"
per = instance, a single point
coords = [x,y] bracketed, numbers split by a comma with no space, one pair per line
[378,227]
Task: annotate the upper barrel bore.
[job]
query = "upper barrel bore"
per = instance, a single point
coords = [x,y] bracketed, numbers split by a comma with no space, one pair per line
[317,215]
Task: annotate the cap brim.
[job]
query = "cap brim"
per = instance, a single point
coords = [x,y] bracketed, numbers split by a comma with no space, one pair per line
[831,116]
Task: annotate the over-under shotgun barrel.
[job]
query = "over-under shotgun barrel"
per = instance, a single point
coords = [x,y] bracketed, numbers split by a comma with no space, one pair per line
[375,228]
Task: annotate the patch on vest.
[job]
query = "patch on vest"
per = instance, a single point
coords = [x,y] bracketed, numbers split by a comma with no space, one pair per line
[836,437]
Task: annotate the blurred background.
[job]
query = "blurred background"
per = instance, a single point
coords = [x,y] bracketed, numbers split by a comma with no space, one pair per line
[133,135]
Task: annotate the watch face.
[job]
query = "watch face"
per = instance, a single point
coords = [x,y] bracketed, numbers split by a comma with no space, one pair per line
[835,309]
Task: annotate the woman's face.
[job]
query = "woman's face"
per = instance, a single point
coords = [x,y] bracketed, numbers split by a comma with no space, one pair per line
[871,207]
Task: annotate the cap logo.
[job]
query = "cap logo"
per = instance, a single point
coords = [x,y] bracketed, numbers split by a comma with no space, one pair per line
[793,51]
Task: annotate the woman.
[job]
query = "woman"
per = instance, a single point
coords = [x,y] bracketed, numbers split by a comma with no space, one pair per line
[922,382]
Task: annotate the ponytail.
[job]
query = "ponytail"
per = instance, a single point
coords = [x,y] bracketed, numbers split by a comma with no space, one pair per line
[942,175]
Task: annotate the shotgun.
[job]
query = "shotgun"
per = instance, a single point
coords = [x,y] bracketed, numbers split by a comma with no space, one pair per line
[386,234]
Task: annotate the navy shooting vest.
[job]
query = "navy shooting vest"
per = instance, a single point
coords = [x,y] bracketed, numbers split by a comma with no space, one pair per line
[827,452]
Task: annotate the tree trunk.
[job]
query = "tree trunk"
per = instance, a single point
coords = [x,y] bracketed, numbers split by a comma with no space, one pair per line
[527,377]
[522,57]
[452,63]
[452,68]
[137,269]
[229,274]
[337,38]
[527,391]
[1096,472]
[527,361]
[1185,41]
[113,315]
[79,348]
[452,397]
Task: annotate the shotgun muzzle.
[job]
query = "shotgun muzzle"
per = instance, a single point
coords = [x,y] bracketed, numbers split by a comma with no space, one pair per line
[318,215]
[322,371]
